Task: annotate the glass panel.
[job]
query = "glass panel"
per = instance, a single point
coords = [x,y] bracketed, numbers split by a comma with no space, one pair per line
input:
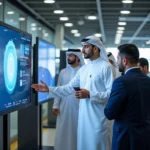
[47,35]
[34,28]
[1,10]
[11,16]
[66,45]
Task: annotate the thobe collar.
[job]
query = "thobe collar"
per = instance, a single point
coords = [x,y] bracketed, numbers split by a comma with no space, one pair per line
[76,68]
[96,60]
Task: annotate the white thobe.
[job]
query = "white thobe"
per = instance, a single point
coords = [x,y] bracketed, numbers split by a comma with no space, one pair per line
[67,120]
[97,77]
[116,72]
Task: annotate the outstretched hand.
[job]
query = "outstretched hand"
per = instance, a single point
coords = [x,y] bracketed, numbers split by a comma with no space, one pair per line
[40,87]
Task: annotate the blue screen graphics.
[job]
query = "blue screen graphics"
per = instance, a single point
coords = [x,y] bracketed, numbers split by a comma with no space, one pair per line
[15,69]
[46,66]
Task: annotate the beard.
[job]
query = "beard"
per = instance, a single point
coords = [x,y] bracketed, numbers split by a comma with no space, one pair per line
[88,55]
[121,68]
[71,62]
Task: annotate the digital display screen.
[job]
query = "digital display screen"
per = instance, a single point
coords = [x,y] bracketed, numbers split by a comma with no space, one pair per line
[15,68]
[46,66]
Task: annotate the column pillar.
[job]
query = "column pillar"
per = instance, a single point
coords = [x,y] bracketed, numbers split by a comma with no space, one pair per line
[59,36]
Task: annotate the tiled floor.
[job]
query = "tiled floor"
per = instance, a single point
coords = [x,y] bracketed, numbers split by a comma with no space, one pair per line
[48,137]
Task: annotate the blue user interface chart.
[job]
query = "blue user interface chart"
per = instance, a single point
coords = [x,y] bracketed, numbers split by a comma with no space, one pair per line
[15,68]
[46,66]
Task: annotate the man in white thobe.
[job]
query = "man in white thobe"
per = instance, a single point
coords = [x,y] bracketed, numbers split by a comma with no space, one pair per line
[144,66]
[66,108]
[95,82]
[112,60]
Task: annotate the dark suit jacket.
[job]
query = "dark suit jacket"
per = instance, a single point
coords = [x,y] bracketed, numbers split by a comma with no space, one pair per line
[129,106]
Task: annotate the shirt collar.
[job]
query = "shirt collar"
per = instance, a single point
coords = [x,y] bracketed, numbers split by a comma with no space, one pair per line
[130,69]
[148,74]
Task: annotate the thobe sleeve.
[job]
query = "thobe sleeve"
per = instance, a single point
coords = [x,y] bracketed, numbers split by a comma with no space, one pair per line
[108,78]
[116,100]
[57,100]
[65,90]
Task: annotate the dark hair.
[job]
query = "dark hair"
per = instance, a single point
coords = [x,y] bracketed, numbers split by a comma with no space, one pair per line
[129,51]
[73,50]
[143,62]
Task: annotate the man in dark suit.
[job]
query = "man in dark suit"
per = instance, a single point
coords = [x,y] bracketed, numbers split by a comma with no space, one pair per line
[129,103]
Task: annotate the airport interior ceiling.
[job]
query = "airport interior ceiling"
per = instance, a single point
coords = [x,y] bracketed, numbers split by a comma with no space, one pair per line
[116,21]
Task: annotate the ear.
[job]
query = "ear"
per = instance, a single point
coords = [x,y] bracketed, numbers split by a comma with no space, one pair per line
[145,67]
[95,49]
[125,61]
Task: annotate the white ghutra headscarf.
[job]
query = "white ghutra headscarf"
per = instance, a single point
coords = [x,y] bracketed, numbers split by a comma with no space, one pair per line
[112,58]
[76,52]
[96,42]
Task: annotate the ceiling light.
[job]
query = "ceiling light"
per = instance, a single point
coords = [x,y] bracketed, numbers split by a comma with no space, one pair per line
[22,19]
[127,1]
[148,42]
[122,23]
[98,34]
[120,31]
[49,1]
[39,28]
[80,22]
[118,35]
[63,18]
[77,34]
[46,34]
[125,12]
[10,12]
[121,28]
[92,17]
[118,38]
[33,29]
[0,3]
[68,24]
[74,31]
[33,24]
[58,11]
